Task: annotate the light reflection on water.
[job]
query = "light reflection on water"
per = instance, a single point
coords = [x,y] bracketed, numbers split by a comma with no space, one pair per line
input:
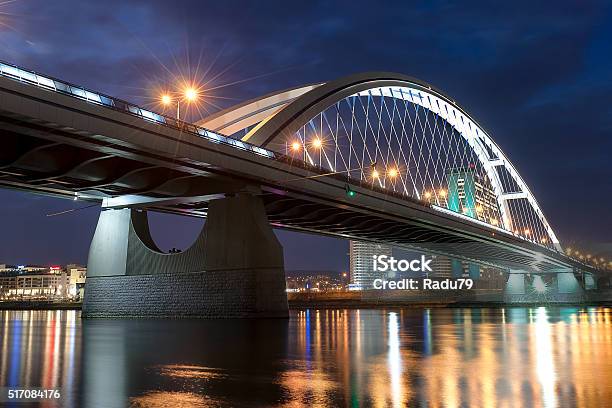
[513,357]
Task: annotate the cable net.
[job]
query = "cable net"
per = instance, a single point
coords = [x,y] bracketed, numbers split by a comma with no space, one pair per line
[413,143]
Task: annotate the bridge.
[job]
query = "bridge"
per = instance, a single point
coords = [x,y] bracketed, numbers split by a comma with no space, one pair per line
[377,157]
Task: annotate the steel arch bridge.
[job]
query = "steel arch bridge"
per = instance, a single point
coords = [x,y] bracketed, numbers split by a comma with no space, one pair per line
[397,133]
[426,175]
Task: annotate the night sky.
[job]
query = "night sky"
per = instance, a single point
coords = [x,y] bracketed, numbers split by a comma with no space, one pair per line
[538,78]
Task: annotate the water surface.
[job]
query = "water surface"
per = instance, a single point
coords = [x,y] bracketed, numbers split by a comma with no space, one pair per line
[513,357]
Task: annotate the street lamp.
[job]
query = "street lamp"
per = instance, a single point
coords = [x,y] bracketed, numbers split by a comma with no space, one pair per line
[295,146]
[189,94]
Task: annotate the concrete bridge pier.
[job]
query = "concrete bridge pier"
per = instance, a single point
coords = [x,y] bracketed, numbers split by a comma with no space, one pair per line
[529,287]
[234,269]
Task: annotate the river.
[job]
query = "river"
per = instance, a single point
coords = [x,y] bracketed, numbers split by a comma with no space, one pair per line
[441,357]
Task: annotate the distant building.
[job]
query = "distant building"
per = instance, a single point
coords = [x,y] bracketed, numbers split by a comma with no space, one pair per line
[483,276]
[77,275]
[300,281]
[7,284]
[361,262]
[491,278]
[442,267]
[445,267]
[34,282]
[471,194]
[33,286]
[4,268]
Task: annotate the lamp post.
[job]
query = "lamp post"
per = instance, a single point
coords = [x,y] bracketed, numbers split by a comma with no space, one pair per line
[189,94]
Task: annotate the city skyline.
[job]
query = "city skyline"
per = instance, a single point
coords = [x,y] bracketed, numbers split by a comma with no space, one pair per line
[539,133]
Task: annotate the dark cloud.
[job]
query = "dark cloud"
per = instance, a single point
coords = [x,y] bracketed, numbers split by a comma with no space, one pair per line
[537,76]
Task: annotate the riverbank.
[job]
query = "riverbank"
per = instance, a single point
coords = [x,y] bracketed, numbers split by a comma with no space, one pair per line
[39,305]
[430,299]
[371,300]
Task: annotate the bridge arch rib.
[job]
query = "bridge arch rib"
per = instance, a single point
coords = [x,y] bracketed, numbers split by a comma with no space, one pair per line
[413,137]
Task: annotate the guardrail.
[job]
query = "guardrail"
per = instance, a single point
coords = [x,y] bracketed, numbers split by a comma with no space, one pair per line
[52,84]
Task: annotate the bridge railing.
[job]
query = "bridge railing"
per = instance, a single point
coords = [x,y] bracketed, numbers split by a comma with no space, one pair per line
[79,92]
[76,91]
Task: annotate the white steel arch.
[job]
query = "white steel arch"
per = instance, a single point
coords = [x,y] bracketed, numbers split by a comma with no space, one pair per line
[477,138]
[277,118]
[245,115]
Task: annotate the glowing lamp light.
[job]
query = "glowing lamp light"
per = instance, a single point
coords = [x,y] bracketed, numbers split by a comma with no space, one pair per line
[527,232]
[191,94]
[392,173]
[427,195]
[375,173]
[442,193]
[166,99]
[317,143]
[295,146]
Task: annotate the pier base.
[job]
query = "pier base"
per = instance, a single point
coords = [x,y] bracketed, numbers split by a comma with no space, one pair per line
[562,287]
[234,269]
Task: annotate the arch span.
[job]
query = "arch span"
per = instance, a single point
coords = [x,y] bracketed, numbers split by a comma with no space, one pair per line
[247,114]
[402,133]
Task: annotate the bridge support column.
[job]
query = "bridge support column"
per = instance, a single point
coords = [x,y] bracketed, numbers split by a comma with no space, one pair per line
[567,283]
[560,287]
[233,269]
[515,284]
[516,288]
[569,288]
